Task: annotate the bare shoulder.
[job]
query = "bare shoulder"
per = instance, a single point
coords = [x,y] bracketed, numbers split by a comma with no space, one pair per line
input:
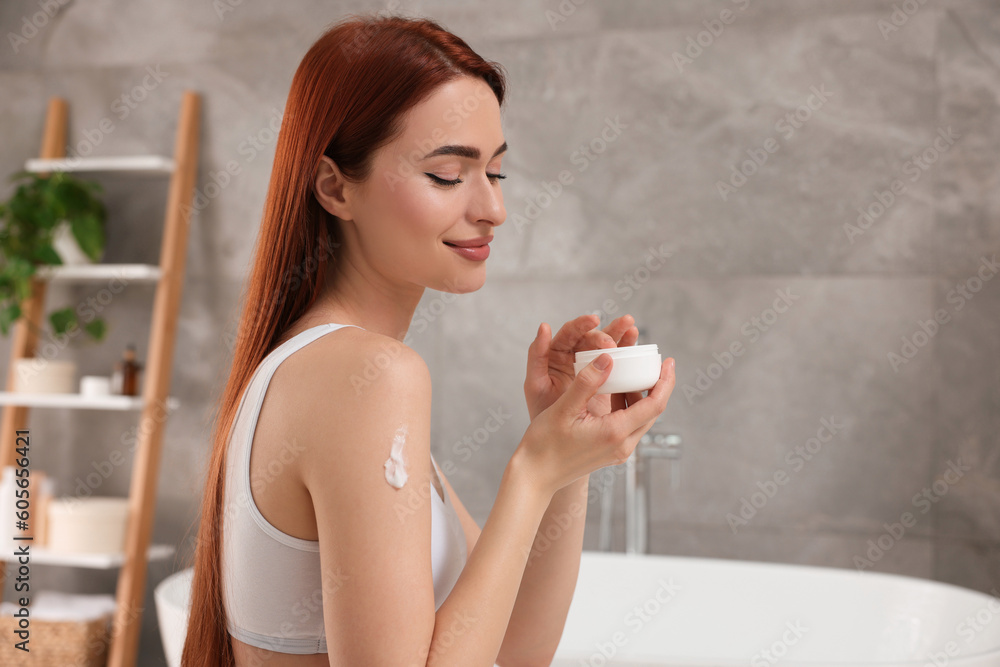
[346,363]
[344,385]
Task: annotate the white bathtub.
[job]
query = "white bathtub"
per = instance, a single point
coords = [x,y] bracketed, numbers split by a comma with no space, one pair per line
[646,611]
[173,606]
[668,610]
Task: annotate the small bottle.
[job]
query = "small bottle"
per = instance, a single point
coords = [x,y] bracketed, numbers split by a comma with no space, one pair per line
[125,379]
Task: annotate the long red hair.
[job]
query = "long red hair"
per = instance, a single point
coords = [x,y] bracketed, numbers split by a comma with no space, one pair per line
[347,99]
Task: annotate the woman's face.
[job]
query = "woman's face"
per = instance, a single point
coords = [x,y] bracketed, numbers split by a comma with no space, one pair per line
[435,183]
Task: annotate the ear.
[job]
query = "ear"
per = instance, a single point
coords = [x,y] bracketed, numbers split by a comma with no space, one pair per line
[331,189]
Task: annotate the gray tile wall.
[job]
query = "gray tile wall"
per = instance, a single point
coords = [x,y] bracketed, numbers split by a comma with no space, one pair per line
[881,98]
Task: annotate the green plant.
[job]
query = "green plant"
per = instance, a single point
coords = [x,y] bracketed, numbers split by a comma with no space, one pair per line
[28,223]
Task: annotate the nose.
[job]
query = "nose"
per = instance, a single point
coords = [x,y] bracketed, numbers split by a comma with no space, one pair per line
[488,203]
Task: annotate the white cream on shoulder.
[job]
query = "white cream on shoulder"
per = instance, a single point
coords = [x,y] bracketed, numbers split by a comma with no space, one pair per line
[395,465]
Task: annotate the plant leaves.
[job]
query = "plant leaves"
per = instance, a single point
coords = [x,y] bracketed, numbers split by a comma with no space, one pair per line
[46,254]
[28,220]
[62,319]
[97,329]
[8,315]
[89,232]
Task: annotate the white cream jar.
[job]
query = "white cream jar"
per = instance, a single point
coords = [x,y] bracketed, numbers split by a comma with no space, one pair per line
[633,367]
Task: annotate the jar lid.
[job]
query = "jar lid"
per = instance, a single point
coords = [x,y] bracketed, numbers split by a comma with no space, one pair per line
[586,356]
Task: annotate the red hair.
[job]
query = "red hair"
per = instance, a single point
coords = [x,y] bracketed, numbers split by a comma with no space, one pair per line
[347,99]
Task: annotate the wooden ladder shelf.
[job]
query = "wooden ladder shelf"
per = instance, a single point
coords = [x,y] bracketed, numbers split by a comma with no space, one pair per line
[155,402]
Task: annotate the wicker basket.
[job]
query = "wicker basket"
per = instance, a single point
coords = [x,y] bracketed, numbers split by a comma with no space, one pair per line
[57,643]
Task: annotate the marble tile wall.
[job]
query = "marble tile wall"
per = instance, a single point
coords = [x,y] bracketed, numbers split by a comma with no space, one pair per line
[852,105]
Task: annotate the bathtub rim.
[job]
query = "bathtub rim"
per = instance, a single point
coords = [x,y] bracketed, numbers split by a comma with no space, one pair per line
[843,572]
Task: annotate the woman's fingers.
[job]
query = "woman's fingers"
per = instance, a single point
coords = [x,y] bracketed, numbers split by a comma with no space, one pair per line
[619,333]
[623,400]
[630,337]
[637,434]
[648,407]
[632,397]
[623,331]
[594,340]
[570,334]
[538,354]
[618,329]
[583,334]
[584,386]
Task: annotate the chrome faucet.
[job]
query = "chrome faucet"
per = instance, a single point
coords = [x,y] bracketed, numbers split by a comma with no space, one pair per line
[651,446]
[654,444]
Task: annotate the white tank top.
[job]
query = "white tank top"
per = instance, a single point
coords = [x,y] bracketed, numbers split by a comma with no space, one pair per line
[272,588]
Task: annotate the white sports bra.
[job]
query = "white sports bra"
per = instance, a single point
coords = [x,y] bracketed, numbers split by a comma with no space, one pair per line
[272,587]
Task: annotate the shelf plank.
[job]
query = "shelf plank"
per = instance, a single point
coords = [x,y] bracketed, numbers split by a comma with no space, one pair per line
[149,164]
[97,561]
[78,401]
[100,272]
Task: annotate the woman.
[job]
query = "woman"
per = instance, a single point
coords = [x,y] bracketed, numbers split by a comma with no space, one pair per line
[328,535]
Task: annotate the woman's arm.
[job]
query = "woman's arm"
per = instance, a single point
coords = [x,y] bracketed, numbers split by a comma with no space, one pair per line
[539,615]
[375,551]
[543,600]
[473,620]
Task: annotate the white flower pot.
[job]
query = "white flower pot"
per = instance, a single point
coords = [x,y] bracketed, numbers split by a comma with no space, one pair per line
[66,246]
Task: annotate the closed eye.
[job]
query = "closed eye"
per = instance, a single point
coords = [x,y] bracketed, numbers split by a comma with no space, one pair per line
[448,183]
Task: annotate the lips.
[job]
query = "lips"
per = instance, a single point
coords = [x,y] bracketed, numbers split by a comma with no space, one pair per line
[470,243]
[476,253]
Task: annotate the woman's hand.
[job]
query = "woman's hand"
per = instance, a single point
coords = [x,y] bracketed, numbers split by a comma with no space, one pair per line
[566,441]
[550,362]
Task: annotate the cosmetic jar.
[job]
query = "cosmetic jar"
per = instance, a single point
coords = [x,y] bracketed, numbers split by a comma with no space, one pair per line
[38,375]
[93,524]
[633,367]
[95,385]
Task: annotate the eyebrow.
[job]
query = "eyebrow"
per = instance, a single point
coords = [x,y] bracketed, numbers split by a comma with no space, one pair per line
[462,151]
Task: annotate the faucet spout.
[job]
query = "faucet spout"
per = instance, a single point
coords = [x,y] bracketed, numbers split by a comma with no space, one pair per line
[652,445]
